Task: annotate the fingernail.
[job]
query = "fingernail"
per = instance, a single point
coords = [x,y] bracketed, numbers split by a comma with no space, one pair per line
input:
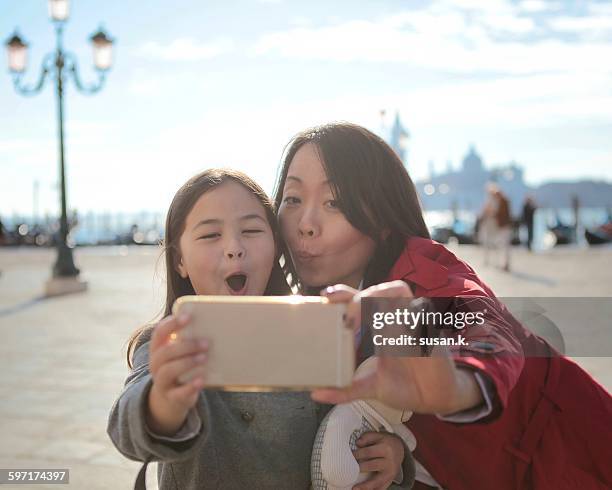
[200,357]
[330,290]
[203,344]
[183,318]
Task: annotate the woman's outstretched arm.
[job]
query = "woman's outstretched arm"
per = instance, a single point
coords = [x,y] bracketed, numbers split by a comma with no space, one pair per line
[421,384]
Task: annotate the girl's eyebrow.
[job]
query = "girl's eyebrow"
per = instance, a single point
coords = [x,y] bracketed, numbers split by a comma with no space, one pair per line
[212,221]
[216,221]
[253,216]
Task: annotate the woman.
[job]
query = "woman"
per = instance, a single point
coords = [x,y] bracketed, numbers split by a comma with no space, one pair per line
[496,224]
[507,407]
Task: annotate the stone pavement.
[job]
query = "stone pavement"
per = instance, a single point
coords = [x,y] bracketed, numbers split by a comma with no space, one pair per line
[62,360]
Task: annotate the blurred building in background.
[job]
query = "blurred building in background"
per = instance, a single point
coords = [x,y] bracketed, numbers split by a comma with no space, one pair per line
[464,188]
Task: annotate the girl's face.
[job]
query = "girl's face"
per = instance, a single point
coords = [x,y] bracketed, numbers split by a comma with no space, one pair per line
[227,246]
[326,249]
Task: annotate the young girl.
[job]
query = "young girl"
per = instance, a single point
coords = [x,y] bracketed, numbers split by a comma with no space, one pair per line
[220,239]
[505,412]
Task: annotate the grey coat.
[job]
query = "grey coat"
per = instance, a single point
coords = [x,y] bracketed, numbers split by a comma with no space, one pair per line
[229,441]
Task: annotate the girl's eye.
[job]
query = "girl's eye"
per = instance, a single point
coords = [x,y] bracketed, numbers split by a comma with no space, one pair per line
[209,236]
[332,203]
[291,200]
[252,231]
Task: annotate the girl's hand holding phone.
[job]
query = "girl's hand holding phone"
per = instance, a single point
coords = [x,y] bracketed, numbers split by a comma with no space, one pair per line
[169,358]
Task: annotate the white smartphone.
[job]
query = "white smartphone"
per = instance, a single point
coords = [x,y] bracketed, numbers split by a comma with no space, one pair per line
[266,343]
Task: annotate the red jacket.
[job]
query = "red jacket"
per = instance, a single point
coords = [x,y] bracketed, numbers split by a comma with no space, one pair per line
[552,425]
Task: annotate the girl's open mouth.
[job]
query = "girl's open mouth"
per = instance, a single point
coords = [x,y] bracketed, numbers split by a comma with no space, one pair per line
[236,283]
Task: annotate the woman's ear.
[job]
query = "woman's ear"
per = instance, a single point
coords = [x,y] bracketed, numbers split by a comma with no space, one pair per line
[181,269]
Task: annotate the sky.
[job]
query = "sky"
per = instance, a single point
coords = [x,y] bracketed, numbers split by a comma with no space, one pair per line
[227,83]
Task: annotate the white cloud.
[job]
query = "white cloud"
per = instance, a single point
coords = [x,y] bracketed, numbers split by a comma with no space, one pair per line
[381,42]
[455,36]
[184,49]
[536,5]
[493,14]
[585,25]
[600,8]
[476,4]
[508,23]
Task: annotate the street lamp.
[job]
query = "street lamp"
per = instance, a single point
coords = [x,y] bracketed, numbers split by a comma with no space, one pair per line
[59,10]
[59,65]
[17,54]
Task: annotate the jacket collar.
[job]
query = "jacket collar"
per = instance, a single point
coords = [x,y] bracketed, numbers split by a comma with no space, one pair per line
[421,270]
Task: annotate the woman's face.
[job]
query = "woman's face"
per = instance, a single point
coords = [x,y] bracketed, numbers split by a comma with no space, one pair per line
[326,249]
[227,246]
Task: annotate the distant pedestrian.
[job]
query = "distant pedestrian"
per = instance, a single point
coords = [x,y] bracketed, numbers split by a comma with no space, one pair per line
[2,233]
[529,209]
[2,236]
[496,224]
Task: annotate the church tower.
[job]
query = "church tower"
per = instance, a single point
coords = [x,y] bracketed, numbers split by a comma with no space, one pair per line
[399,139]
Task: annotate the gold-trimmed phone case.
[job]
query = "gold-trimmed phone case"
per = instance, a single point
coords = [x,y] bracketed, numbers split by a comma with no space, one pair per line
[269,343]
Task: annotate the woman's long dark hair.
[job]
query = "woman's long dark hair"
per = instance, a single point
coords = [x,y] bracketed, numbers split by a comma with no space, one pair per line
[181,205]
[372,187]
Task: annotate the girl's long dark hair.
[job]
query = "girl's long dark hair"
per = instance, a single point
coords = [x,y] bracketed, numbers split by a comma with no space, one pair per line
[181,205]
[372,187]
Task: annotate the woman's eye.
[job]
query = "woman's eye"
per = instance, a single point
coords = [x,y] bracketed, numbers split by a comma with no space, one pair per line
[209,236]
[332,203]
[253,231]
[291,200]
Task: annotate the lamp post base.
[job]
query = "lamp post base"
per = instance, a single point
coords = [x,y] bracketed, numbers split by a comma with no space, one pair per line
[64,264]
[57,286]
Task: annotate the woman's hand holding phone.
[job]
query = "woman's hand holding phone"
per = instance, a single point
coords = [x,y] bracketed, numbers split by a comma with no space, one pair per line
[169,401]
[420,384]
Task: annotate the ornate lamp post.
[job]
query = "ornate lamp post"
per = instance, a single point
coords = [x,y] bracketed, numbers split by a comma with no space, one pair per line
[59,65]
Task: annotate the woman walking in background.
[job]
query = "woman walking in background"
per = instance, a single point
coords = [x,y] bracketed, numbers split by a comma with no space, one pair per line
[496,225]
